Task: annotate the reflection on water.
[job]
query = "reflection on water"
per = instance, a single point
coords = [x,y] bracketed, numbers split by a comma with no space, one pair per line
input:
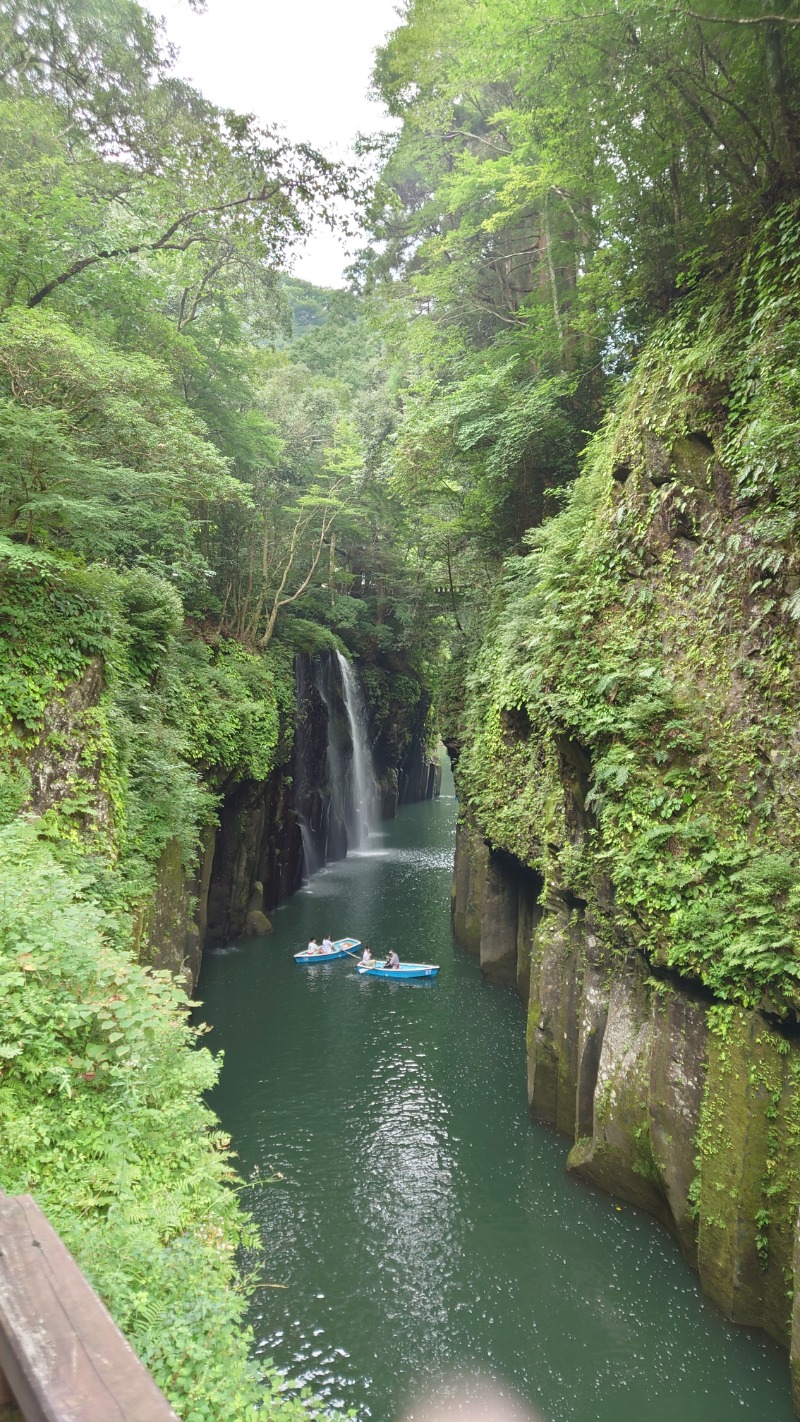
[421,1223]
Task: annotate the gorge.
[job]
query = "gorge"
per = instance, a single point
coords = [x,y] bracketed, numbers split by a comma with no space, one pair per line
[417,1223]
[527,486]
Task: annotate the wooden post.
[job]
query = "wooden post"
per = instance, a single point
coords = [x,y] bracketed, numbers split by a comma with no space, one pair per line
[62,1355]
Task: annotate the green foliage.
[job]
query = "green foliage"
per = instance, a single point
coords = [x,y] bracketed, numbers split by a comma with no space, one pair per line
[15,790]
[400,706]
[153,614]
[53,617]
[303,635]
[237,706]
[648,640]
[559,175]
[149,734]
[103,1120]
[179,480]
[100,456]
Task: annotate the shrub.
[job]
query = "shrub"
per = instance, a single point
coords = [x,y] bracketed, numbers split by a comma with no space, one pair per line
[102,1119]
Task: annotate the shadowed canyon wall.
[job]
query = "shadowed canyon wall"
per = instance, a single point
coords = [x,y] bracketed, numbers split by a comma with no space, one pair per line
[696,1121]
[269,832]
[629,845]
[272,832]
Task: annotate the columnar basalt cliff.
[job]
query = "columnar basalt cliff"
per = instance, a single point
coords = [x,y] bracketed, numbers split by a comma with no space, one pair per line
[691,1117]
[629,849]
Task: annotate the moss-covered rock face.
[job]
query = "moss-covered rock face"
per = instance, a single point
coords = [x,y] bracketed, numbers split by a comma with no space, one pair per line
[631,714]
[629,734]
[680,1104]
[166,769]
[122,733]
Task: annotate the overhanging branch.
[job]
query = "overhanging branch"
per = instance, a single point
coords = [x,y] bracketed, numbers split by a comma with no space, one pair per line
[163,243]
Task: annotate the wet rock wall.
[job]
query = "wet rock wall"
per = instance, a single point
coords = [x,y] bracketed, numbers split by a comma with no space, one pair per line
[267,831]
[682,1106]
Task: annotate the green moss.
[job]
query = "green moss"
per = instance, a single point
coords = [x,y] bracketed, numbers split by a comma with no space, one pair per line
[653,628]
[748,1183]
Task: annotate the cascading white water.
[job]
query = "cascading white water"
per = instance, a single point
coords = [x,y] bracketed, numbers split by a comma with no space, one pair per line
[311,856]
[363,774]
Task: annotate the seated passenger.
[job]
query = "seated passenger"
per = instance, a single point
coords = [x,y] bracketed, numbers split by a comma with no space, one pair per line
[392,961]
[313,947]
[327,944]
[367,959]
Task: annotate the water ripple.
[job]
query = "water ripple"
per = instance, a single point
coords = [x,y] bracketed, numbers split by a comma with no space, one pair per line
[417,1221]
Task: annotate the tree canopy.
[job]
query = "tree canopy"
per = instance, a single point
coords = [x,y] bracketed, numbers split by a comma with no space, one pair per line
[207,465]
[563,172]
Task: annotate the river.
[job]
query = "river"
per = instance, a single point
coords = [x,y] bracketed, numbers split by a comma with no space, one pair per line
[417,1222]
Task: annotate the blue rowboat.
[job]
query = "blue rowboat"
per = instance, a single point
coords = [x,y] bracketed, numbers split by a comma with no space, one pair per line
[342,948]
[406,970]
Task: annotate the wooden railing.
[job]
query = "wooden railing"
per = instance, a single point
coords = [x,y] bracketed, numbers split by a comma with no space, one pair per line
[62,1357]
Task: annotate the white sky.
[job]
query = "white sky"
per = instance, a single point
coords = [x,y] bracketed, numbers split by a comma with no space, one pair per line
[302,63]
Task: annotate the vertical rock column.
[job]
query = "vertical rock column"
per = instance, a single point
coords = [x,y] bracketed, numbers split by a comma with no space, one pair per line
[556,1029]
[472,857]
[499,919]
[749,1178]
[495,908]
[675,1100]
[794,1356]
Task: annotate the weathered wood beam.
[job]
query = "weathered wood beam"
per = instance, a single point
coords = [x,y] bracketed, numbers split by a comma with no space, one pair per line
[61,1353]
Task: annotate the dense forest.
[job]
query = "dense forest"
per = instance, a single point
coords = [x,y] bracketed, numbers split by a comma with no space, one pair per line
[593,218]
[536,465]
[191,492]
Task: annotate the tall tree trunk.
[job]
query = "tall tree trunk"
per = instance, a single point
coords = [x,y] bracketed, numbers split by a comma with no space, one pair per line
[783,123]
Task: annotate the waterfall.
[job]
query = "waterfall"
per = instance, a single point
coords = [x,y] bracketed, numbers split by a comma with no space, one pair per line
[334,796]
[363,775]
[312,860]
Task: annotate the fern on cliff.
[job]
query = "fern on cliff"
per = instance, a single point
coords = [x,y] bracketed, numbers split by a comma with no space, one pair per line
[102,1118]
[652,626]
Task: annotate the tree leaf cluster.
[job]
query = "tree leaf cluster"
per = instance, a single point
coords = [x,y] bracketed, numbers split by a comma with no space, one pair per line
[101,1084]
[561,174]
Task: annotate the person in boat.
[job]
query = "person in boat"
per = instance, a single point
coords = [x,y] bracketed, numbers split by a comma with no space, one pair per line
[327,944]
[392,960]
[313,947]
[367,959]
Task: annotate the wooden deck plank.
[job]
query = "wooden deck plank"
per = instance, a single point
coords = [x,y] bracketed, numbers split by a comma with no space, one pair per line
[63,1355]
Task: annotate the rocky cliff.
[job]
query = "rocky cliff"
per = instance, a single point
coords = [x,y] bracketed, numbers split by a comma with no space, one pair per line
[683,1107]
[199,809]
[629,852]
[270,833]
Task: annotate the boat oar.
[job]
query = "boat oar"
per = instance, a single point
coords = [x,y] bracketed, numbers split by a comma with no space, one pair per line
[373,964]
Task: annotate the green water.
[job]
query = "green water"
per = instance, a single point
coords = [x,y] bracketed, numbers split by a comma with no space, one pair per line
[421,1224]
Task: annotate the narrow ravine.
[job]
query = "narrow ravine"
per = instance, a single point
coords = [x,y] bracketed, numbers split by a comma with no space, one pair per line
[415,1221]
